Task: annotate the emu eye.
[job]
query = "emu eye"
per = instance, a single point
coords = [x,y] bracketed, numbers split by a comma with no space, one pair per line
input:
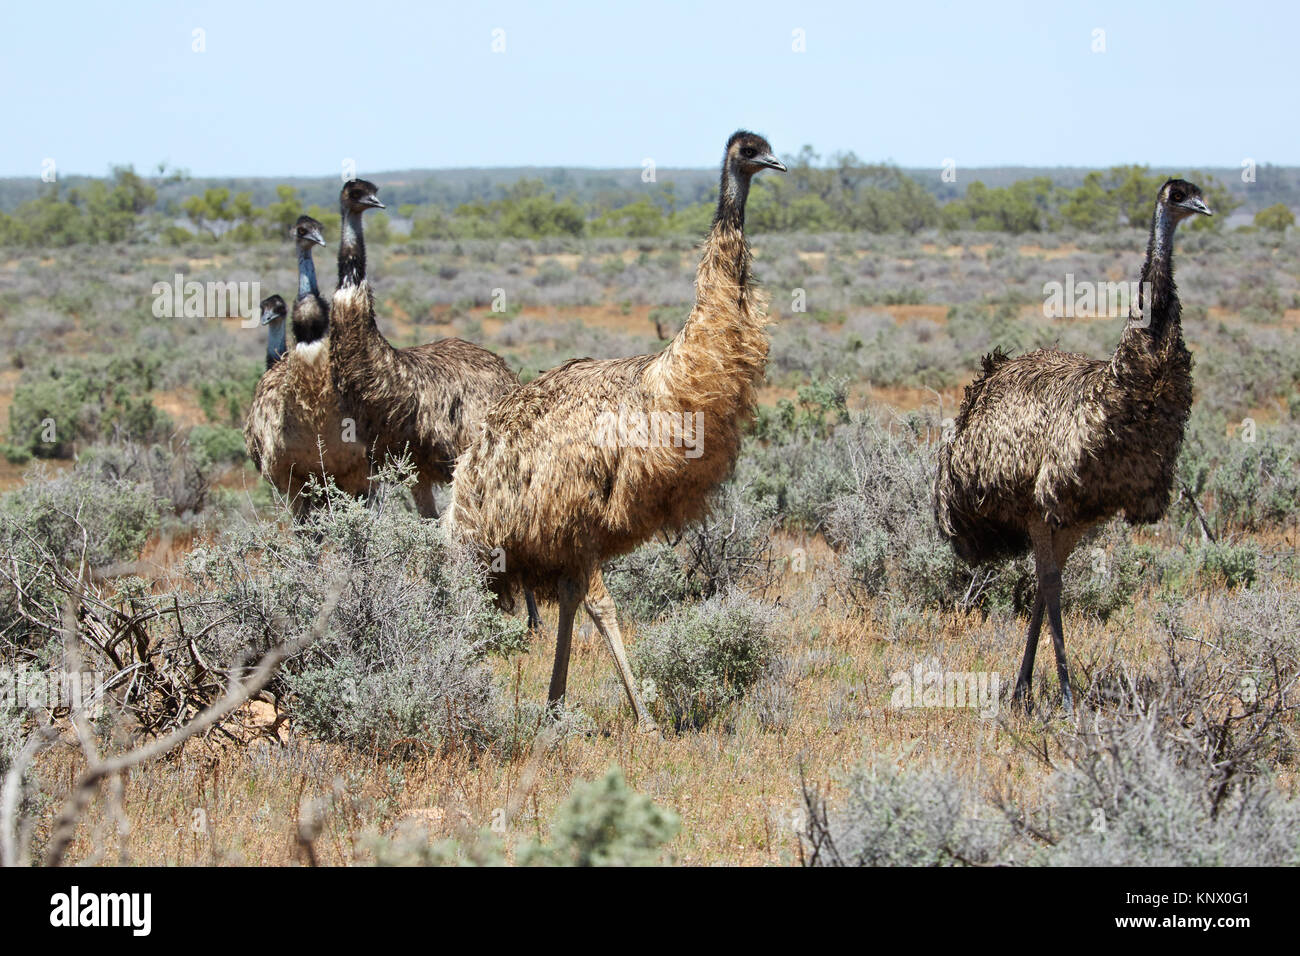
[1177,195]
[748,152]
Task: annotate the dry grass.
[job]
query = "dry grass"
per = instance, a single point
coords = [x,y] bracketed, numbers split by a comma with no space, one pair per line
[735,784]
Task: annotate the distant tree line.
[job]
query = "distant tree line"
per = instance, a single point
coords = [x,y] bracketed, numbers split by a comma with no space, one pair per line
[842,195]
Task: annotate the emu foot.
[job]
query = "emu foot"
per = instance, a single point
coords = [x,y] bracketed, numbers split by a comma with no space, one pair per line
[1021,699]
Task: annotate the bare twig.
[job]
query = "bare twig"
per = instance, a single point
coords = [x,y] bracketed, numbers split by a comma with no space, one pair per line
[65,824]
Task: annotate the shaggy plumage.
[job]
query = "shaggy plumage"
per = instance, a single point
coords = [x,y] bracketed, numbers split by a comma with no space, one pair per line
[1050,443]
[430,399]
[568,473]
[295,427]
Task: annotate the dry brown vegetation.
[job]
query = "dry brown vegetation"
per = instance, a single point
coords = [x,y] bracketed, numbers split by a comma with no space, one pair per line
[283,795]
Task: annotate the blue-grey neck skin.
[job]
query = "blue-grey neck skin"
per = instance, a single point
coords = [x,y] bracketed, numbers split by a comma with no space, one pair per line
[1162,232]
[352,250]
[276,342]
[306,270]
[1162,312]
[733,191]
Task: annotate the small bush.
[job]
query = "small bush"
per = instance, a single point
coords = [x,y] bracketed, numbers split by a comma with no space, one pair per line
[604,823]
[401,664]
[1231,565]
[180,479]
[1257,485]
[55,524]
[888,818]
[217,445]
[12,736]
[85,400]
[703,658]
[1131,799]
[883,526]
[730,548]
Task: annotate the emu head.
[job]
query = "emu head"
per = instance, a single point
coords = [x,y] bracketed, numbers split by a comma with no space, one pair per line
[273,309]
[748,153]
[1183,199]
[358,195]
[307,232]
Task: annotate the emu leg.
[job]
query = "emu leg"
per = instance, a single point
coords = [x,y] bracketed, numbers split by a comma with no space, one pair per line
[1026,679]
[1053,596]
[422,492]
[570,593]
[600,605]
[534,617]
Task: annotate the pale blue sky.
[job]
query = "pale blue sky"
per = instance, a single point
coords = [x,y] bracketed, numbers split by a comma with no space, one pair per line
[293,89]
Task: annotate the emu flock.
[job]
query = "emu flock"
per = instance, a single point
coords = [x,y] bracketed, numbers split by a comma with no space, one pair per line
[1046,445]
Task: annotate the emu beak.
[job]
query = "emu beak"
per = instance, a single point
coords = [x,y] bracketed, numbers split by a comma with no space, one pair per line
[771,162]
[372,203]
[1196,204]
[317,238]
[269,316]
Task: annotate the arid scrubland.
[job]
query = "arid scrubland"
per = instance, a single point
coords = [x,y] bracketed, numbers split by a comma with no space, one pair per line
[832,683]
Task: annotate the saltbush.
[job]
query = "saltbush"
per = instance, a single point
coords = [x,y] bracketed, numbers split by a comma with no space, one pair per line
[704,657]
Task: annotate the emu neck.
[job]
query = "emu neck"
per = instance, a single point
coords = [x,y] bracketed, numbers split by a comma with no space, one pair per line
[1163,311]
[306,272]
[733,193]
[352,250]
[1152,359]
[276,342]
[714,362]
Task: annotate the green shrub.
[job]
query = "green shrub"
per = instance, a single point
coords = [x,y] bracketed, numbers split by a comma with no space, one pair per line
[402,663]
[1155,777]
[225,401]
[12,733]
[1257,484]
[731,547]
[883,527]
[1231,565]
[887,818]
[1103,574]
[1133,799]
[80,515]
[703,658]
[217,445]
[84,400]
[604,823]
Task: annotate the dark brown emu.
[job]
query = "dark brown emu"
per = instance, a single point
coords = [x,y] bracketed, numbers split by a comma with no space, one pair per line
[1048,444]
[429,400]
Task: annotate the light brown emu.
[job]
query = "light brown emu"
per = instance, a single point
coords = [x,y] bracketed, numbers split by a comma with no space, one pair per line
[592,458]
[1048,444]
[429,400]
[295,428]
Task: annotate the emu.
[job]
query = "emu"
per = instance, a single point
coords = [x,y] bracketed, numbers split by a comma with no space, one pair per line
[1049,444]
[295,428]
[542,486]
[429,400]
